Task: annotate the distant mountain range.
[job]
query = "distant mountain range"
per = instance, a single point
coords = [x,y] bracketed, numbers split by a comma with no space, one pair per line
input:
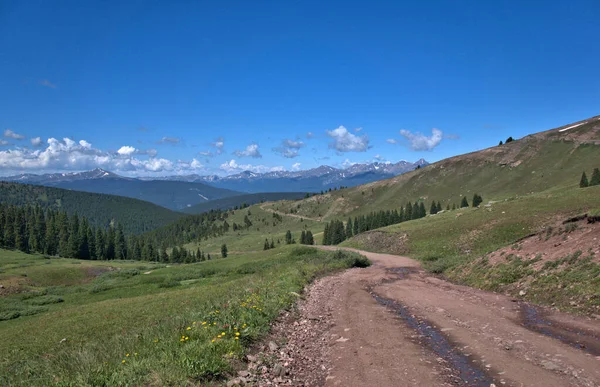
[181,192]
[310,180]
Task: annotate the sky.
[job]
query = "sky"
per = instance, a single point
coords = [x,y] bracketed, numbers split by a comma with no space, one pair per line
[180,87]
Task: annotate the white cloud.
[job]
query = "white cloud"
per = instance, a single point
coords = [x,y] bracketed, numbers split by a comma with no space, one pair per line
[15,136]
[391,141]
[232,166]
[4,142]
[36,141]
[347,163]
[70,155]
[296,166]
[344,141]
[289,148]
[219,144]
[378,157]
[250,151]
[420,142]
[310,135]
[126,150]
[170,140]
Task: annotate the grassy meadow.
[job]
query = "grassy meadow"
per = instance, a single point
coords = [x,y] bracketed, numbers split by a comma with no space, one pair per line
[67,322]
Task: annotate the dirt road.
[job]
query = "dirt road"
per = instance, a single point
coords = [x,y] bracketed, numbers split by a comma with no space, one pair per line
[395,325]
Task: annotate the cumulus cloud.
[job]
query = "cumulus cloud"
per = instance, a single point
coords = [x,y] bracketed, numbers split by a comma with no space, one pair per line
[344,141]
[296,166]
[347,163]
[289,148]
[232,166]
[4,142]
[378,157]
[391,141]
[47,83]
[15,136]
[250,151]
[126,150]
[420,142]
[70,155]
[36,141]
[170,140]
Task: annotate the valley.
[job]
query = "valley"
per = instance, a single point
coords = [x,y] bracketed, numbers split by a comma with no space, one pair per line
[475,270]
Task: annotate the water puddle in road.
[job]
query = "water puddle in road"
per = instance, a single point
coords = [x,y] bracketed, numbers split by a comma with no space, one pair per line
[533,318]
[470,375]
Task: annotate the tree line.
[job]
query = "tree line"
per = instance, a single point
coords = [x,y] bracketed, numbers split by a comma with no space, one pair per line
[336,232]
[595,180]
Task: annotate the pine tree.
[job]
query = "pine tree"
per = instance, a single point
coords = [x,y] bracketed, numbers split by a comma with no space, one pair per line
[355,227]
[100,244]
[408,212]
[303,237]
[120,245]
[584,181]
[422,212]
[500,143]
[288,237]
[349,228]
[453,206]
[433,210]
[309,238]
[266,245]
[595,180]
[477,200]
[439,206]
[109,250]
[464,202]
[448,207]
[224,250]
[272,244]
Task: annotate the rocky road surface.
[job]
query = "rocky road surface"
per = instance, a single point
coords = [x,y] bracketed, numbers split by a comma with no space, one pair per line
[393,324]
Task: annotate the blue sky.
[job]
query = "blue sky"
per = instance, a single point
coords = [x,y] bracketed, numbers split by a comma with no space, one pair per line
[158,87]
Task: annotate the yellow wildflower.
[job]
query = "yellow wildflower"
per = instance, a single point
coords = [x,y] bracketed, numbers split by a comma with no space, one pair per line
[123,361]
[188,328]
[126,355]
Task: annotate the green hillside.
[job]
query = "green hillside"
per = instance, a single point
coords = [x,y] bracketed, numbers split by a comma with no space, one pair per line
[136,216]
[240,200]
[534,163]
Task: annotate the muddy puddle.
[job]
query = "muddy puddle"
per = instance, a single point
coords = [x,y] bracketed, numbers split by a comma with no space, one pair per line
[534,318]
[463,368]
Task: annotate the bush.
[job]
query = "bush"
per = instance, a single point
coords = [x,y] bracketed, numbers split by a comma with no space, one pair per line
[9,315]
[45,300]
[169,283]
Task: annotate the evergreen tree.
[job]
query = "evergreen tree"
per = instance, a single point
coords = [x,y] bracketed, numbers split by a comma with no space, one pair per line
[433,210]
[224,250]
[464,202]
[109,250]
[266,245]
[448,207]
[584,181]
[595,180]
[510,139]
[453,206]
[422,212]
[500,143]
[477,200]
[408,213]
[349,228]
[272,244]
[439,206]
[309,238]
[288,237]
[100,244]
[120,246]
[355,226]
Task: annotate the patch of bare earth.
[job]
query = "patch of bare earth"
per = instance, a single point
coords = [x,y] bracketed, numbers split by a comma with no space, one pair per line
[554,243]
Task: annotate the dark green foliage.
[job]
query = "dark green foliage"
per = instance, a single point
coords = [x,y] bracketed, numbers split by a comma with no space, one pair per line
[433,209]
[510,139]
[288,238]
[477,200]
[266,246]
[224,250]
[595,180]
[584,181]
[464,202]
[101,210]
[500,143]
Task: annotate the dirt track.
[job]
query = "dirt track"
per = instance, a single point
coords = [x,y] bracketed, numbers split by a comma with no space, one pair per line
[395,325]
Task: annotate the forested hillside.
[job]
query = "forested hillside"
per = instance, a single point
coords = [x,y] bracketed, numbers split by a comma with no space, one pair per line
[136,216]
[241,200]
